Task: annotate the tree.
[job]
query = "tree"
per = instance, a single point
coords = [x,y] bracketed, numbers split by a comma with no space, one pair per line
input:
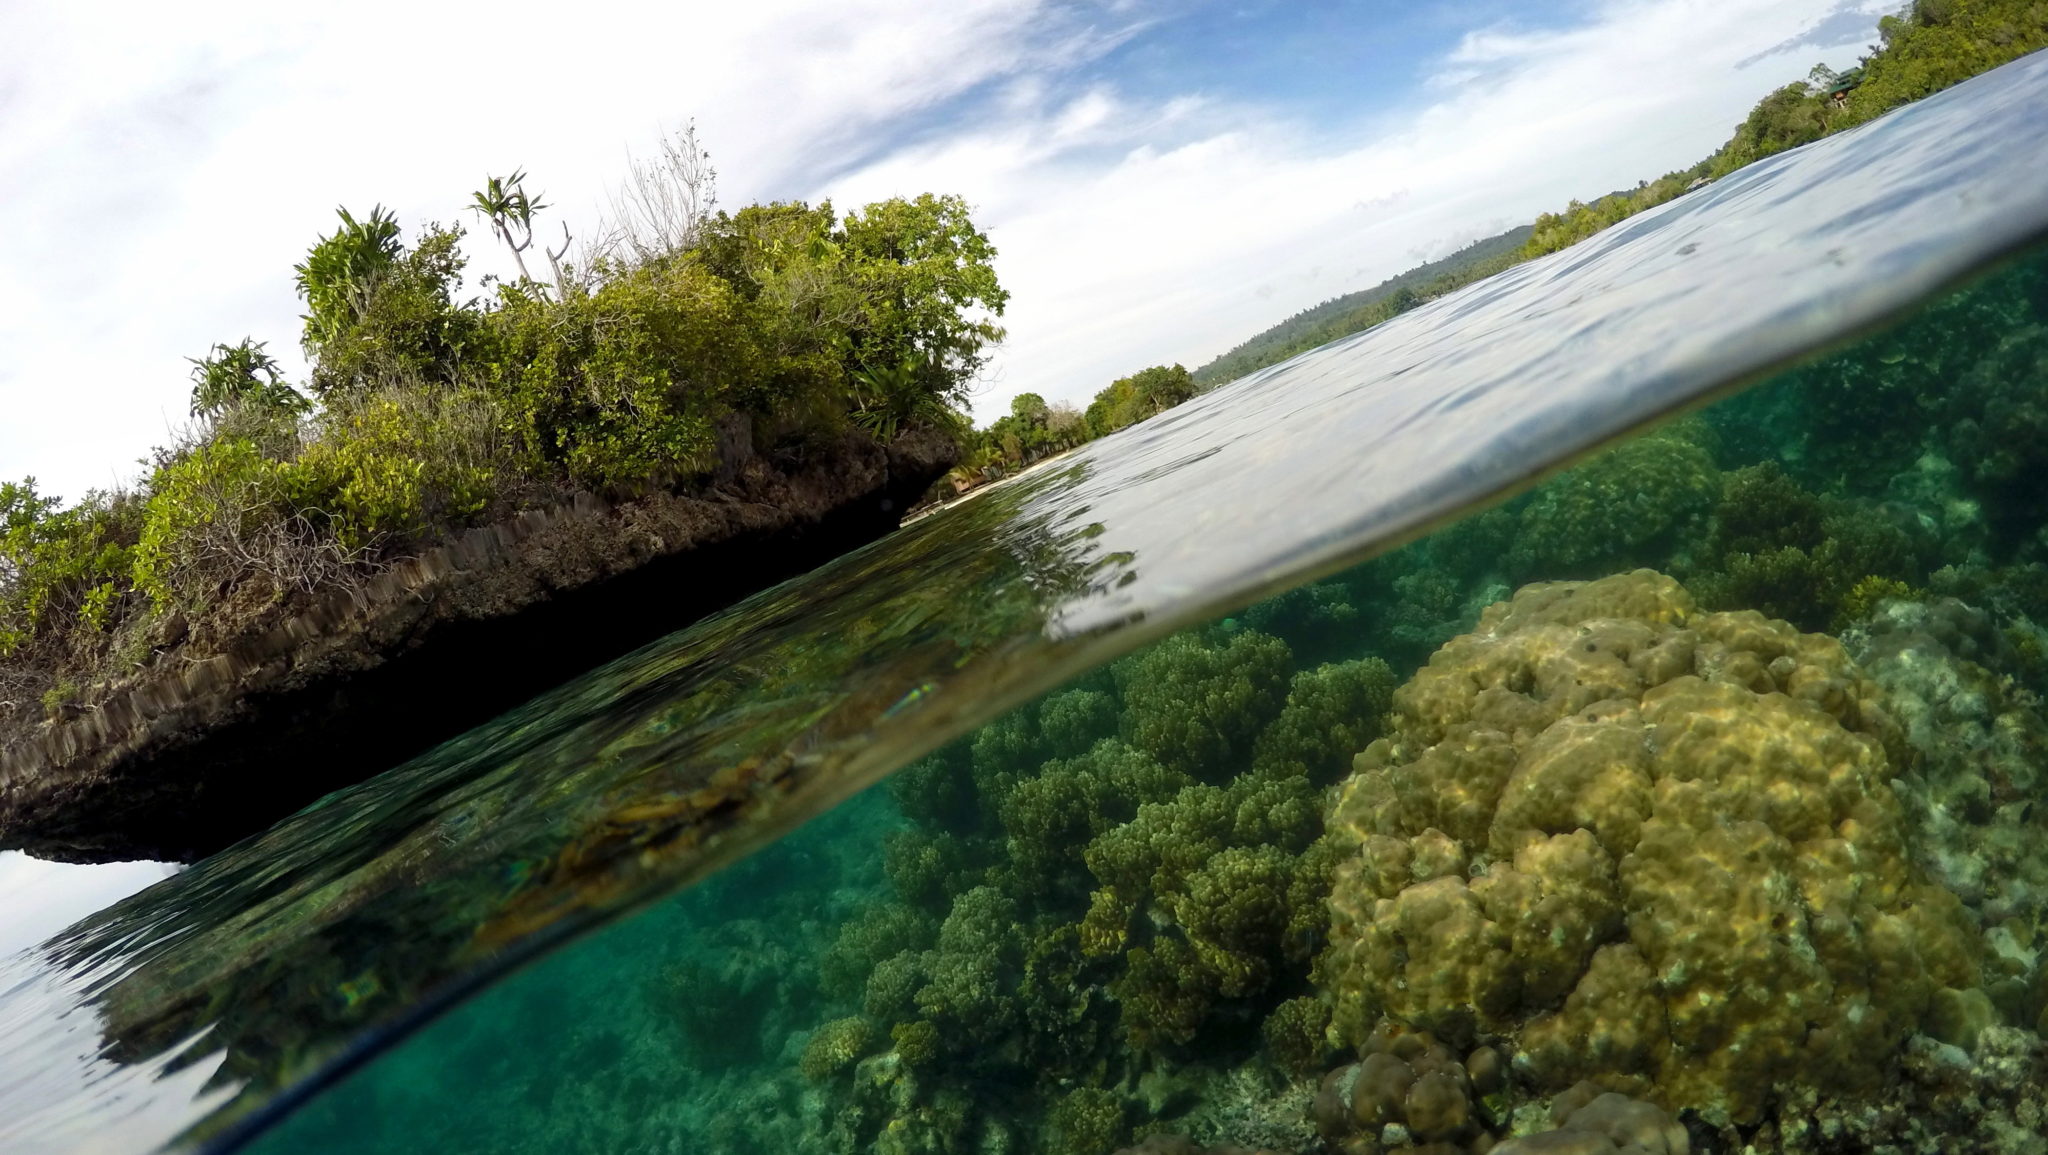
[339,273]
[927,288]
[240,374]
[503,202]
[664,204]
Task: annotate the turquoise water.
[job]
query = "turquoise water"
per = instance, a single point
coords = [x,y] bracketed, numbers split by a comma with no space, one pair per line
[1783,879]
[1292,851]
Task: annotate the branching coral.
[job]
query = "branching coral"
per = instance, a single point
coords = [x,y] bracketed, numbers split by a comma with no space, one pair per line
[1209,891]
[879,932]
[1630,505]
[1331,713]
[1070,800]
[1197,705]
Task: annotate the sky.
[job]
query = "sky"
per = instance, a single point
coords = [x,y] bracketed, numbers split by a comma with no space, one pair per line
[1161,178]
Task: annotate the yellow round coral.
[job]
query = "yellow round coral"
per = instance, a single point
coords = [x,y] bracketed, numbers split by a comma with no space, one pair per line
[1643,842]
[836,1046]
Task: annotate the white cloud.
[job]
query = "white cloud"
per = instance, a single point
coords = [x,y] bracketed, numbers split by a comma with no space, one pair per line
[1184,244]
[167,167]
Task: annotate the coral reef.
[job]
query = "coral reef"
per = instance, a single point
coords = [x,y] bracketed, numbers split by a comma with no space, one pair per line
[1628,506]
[1588,1120]
[1972,786]
[1092,889]
[1644,843]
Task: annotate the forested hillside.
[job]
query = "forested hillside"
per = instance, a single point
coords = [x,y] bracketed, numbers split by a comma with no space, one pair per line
[1929,46]
[1345,315]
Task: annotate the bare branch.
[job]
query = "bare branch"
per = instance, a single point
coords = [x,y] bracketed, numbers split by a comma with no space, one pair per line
[663,204]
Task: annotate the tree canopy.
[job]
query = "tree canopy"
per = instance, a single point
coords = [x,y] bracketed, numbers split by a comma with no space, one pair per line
[425,411]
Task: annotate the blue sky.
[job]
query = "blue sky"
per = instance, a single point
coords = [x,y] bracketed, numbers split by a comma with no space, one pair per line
[1161,179]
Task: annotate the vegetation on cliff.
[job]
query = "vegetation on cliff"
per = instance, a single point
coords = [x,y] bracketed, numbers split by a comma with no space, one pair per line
[1930,46]
[686,340]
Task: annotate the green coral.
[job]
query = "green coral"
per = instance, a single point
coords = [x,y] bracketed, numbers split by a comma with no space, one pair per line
[835,1047]
[1297,1035]
[1865,596]
[1226,893]
[1197,705]
[1791,555]
[878,932]
[1331,713]
[1070,800]
[971,975]
[916,1041]
[1761,508]
[1631,504]
[1072,722]
[928,869]
[937,792]
[1129,862]
[1088,1121]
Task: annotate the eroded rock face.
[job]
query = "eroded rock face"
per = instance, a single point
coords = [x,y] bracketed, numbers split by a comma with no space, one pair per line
[1647,845]
[203,749]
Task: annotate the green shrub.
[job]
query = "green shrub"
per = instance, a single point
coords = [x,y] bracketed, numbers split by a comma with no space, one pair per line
[206,519]
[58,565]
[402,463]
[624,384]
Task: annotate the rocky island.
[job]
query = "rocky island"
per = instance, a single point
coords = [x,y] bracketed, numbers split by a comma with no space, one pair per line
[469,502]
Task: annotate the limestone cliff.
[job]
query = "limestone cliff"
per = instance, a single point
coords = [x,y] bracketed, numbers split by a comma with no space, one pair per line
[211,743]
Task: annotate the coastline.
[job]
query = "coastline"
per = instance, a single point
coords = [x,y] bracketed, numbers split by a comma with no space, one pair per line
[202,749]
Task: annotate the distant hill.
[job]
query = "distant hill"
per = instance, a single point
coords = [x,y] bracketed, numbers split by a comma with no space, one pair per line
[1345,315]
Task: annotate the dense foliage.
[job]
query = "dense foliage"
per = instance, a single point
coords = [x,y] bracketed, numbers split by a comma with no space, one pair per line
[1930,46]
[774,326]
[1345,315]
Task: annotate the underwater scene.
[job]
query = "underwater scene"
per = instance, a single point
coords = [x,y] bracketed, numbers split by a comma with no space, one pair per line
[1689,802]
[1340,761]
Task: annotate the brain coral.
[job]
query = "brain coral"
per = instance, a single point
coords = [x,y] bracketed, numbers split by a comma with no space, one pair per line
[1640,843]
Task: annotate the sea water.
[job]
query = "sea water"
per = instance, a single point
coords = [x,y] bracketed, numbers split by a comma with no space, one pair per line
[1758,838]
[1732,843]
